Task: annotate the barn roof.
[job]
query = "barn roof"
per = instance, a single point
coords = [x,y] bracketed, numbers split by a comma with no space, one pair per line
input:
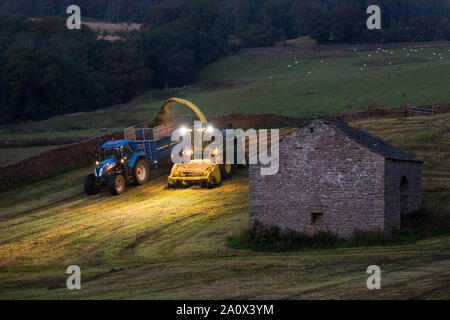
[371,141]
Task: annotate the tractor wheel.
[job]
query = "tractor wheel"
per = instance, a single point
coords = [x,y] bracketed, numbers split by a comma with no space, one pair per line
[226,170]
[141,172]
[89,185]
[116,184]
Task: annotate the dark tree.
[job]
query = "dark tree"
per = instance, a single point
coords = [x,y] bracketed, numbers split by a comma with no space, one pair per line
[347,24]
[320,26]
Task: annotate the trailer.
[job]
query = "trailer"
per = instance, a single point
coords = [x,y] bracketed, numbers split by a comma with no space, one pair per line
[129,161]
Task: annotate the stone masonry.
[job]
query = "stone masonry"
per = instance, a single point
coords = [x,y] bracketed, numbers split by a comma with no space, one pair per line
[333,177]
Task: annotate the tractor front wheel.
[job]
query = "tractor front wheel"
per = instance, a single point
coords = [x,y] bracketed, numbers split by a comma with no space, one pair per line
[116,184]
[141,172]
[89,185]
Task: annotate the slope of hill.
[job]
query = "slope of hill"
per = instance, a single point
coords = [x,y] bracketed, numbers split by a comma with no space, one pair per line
[289,82]
[158,243]
[284,80]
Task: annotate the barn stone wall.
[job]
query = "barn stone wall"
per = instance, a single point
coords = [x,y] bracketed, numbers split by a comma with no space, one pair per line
[394,173]
[323,174]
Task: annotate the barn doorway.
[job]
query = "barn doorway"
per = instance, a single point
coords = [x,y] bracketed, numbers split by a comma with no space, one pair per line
[404,197]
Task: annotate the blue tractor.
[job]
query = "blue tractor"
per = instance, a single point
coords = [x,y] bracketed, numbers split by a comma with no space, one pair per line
[129,161]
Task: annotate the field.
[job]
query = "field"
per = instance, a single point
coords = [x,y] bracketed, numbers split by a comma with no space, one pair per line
[288,82]
[158,243]
[315,83]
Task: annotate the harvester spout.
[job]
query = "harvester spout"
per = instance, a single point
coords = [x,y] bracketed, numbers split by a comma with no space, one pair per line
[194,108]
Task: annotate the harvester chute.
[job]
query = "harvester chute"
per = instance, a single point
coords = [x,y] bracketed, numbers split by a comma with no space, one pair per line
[197,111]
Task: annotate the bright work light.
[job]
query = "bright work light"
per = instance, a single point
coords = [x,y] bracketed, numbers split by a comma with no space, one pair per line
[183,130]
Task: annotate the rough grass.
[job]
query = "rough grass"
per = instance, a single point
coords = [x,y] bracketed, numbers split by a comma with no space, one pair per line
[428,139]
[426,222]
[260,82]
[158,243]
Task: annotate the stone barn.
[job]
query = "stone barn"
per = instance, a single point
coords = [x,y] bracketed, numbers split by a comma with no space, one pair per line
[334,177]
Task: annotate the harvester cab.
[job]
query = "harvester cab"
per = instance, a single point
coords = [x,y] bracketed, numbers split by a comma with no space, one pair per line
[204,172]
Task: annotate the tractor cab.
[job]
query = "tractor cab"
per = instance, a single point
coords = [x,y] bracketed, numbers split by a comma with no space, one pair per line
[119,150]
[114,154]
[117,165]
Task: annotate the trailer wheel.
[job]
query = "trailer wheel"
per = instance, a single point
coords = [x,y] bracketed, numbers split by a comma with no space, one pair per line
[116,184]
[89,185]
[141,172]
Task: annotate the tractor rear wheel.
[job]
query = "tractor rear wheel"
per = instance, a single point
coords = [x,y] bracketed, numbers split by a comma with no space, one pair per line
[116,184]
[141,172]
[89,185]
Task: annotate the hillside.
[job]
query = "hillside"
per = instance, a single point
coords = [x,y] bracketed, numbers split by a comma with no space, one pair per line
[317,82]
[158,243]
[161,55]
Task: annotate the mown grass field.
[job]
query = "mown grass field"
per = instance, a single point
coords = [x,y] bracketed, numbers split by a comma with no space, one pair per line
[287,82]
[158,243]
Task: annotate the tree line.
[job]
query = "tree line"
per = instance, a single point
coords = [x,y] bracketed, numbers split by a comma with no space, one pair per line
[46,70]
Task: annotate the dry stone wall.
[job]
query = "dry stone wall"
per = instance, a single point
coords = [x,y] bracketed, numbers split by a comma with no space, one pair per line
[63,157]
